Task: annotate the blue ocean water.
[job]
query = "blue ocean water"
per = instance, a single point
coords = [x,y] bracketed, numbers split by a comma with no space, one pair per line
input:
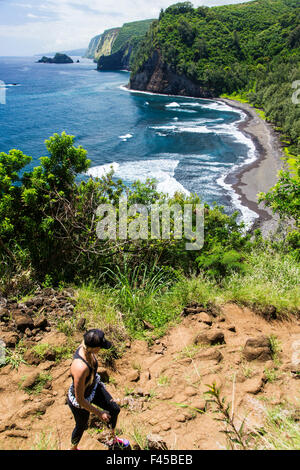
[187,144]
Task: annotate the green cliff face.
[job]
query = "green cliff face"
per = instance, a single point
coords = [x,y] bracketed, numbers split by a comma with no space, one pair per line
[90,53]
[106,42]
[119,44]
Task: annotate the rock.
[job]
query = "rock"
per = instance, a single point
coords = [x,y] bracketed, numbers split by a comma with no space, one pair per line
[30,379]
[145,376]
[22,320]
[156,442]
[40,323]
[165,427]
[210,355]
[257,349]
[18,433]
[190,391]
[153,421]
[167,395]
[4,314]
[254,385]
[205,318]
[210,337]
[31,358]
[133,376]
[147,325]
[28,332]
[81,324]
[32,409]
[181,418]
[10,339]
[290,367]
[38,302]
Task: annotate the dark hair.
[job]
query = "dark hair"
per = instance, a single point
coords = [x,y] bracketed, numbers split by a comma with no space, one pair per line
[95,339]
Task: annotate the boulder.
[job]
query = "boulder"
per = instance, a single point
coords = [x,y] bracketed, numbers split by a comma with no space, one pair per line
[31,358]
[22,320]
[133,376]
[254,385]
[4,314]
[81,324]
[30,379]
[210,355]
[10,339]
[257,349]
[34,408]
[211,337]
[40,323]
[156,442]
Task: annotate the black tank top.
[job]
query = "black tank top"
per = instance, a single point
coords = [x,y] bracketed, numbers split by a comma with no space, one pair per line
[92,371]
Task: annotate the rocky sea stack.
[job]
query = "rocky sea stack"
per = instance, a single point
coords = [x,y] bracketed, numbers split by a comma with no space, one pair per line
[57,59]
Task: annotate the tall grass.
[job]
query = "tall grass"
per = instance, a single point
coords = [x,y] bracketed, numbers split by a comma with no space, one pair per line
[158,295]
[271,278]
[281,431]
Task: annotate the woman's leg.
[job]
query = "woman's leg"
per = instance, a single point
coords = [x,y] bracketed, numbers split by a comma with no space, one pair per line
[105,401]
[81,419]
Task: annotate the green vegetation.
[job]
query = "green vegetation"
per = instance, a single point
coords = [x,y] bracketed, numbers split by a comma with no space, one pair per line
[38,385]
[280,431]
[248,52]
[130,33]
[48,236]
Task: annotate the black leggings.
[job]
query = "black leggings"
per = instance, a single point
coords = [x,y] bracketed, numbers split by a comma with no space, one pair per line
[102,399]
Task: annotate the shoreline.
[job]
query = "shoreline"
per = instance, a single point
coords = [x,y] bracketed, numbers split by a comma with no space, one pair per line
[260,175]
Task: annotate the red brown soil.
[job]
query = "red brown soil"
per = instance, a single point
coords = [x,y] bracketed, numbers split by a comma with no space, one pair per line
[161,387]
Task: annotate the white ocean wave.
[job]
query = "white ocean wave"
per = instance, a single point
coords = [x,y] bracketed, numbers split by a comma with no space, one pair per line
[173,105]
[125,137]
[162,170]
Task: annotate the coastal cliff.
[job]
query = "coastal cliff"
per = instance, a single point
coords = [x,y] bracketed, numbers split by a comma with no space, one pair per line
[106,41]
[91,50]
[115,49]
[157,76]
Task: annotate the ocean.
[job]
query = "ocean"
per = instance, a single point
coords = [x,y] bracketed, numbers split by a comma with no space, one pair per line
[186,144]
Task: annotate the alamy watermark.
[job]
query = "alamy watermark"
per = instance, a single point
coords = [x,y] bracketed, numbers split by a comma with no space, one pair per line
[156,222]
[296,94]
[2,92]
[2,352]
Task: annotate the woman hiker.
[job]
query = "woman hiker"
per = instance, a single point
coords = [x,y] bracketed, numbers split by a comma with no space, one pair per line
[87,389]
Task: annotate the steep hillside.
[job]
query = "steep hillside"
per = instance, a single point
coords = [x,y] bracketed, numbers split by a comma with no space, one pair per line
[160,386]
[106,42]
[136,29]
[217,47]
[91,50]
[118,44]
[251,48]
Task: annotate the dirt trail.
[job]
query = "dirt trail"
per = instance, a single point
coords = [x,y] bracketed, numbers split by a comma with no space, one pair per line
[160,387]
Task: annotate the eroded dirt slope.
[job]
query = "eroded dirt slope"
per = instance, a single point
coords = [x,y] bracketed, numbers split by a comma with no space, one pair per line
[161,387]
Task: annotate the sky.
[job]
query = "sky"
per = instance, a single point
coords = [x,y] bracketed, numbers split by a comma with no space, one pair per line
[29,27]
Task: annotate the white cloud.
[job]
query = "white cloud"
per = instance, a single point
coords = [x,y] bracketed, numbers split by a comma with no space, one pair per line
[72,23]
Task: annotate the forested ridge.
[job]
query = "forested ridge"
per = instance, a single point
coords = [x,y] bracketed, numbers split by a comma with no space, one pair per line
[252,49]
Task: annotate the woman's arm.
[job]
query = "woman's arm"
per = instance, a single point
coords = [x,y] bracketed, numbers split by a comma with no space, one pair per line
[79,374]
